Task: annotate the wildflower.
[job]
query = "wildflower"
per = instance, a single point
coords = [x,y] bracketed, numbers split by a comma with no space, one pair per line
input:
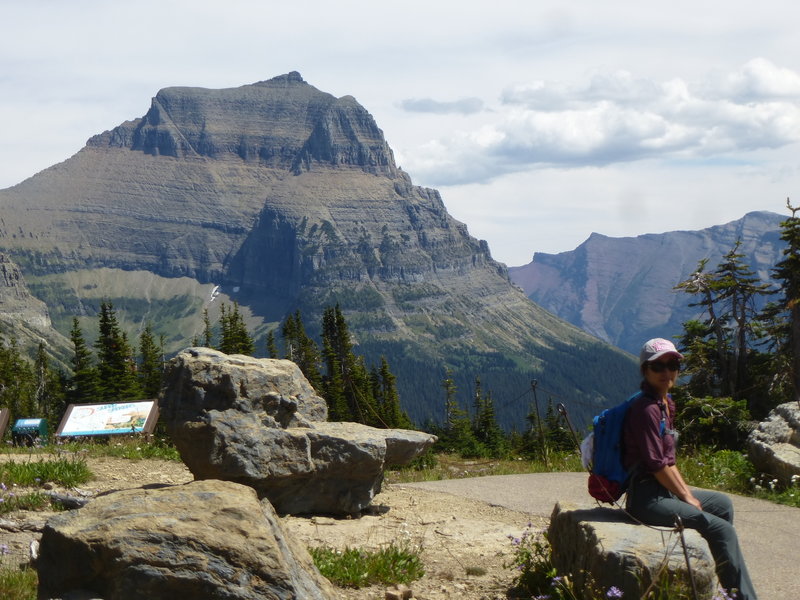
[3,487]
[614,592]
[4,549]
[723,595]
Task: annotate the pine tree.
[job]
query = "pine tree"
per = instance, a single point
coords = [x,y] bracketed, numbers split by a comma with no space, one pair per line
[788,271]
[450,402]
[234,338]
[732,329]
[49,394]
[83,386]
[150,363]
[16,381]
[272,347]
[485,427]
[208,335]
[116,365]
[387,399]
[347,382]
[302,350]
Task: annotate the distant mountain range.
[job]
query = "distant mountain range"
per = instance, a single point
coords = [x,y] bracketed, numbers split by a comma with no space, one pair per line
[621,289]
[283,198]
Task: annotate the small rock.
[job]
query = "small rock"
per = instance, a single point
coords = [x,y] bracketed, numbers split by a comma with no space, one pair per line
[398,592]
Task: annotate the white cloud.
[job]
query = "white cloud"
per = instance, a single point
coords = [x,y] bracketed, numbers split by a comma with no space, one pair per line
[615,118]
[758,79]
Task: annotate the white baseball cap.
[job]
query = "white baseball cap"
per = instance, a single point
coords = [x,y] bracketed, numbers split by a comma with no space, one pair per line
[656,348]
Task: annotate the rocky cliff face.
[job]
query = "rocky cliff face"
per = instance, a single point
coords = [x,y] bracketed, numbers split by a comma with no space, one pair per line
[621,289]
[22,315]
[288,198]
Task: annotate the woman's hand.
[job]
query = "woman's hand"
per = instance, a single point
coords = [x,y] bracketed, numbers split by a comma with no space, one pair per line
[690,499]
[670,477]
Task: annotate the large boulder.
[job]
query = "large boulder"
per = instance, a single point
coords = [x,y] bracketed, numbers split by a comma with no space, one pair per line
[774,446]
[204,539]
[602,547]
[260,423]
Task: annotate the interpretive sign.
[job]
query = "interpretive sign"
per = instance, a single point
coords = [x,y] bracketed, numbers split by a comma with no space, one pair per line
[109,419]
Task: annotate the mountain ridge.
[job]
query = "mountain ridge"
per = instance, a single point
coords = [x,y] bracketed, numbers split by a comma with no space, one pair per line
[607,287]
[289,199]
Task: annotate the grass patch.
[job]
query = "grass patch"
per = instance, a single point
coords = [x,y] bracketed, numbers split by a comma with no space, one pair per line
[357,568]
[130,447]
[17,584]
[11,501]
[133,447]
[62,471]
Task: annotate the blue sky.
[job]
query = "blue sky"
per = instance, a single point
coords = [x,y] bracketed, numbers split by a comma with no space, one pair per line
[539,122]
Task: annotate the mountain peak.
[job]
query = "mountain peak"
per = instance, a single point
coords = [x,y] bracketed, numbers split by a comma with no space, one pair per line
[291,77]
[283,122]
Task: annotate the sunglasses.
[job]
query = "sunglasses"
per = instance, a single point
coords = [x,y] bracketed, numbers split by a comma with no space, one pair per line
[660,367]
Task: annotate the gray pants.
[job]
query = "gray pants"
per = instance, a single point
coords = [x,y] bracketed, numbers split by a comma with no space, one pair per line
[652,503]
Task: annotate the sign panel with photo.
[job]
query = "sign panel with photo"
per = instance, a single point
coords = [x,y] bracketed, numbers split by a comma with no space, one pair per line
[109,419]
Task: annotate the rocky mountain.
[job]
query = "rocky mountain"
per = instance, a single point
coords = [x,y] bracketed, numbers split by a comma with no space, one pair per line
[621,289]
[23,315]
[283,197]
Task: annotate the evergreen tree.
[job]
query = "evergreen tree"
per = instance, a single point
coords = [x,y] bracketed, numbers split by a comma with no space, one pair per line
[83,386]
[302,350]
[116,365]
[235,339]
[558,437]
[49,394]
[151,366]
[788,272]
[208,335]
[272,347]
[485,427]
[347,383]
[450,402]
[391,416]
[457,434]
[16,381]
[731,332]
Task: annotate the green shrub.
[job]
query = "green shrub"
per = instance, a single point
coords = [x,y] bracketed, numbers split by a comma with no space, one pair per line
[357,568]
[723,422]
[726,470]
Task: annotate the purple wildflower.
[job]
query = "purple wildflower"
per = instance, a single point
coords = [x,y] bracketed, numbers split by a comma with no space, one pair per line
[614,592]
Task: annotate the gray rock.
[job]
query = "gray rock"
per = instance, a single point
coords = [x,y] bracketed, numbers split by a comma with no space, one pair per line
[774,446]
[258,422]
[604,546]
[205,539]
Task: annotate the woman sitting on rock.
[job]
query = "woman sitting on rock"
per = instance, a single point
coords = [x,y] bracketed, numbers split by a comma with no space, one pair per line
[657,492]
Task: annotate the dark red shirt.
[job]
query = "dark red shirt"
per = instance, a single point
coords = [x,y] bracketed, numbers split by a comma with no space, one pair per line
[645,449]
